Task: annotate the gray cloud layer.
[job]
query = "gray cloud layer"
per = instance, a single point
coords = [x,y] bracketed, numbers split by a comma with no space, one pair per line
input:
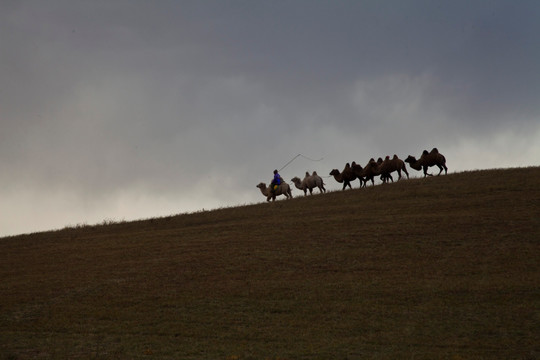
[129,109]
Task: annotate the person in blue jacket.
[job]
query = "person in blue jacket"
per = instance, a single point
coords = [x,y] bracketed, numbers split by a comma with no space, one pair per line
[276,181]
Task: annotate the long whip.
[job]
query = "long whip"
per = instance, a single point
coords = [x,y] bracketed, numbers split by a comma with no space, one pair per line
[294,158]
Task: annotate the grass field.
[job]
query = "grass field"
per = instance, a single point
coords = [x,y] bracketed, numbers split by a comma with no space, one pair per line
[438,268]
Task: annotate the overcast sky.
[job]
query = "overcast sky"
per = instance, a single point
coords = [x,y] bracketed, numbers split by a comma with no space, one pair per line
[125,109]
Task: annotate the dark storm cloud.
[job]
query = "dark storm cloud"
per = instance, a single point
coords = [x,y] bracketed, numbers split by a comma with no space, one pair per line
[164,104]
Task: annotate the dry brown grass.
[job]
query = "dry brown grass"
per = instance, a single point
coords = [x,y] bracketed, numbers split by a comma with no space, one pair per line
[437,268]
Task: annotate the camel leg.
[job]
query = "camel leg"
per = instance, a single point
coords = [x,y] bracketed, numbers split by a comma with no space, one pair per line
[441,167]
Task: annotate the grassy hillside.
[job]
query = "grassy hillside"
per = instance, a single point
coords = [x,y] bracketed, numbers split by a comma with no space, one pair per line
[437,268]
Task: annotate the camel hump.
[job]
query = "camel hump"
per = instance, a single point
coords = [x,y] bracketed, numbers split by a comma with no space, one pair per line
[395,156]
[425,152]
[387,157]
[434,150]
[314,173]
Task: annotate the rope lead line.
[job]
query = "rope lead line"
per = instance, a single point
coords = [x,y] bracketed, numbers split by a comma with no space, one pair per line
[294,158]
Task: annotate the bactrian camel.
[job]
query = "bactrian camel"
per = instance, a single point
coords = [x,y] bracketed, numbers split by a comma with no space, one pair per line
[345,177]
[428,159]
[360,173]
[369,172]
[282,189]
[309,183]
[388,166]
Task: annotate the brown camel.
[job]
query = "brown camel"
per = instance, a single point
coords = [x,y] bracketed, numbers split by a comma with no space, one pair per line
[390,165]
[345,177]
[360,173]
[371,170]
[428,159]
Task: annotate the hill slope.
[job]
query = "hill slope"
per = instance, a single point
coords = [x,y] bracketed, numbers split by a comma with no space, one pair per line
[443,267]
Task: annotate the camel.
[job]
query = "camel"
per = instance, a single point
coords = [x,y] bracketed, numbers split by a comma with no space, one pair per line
[360,173]
[309,183]
[283,189]
[390,165]
[384,177]
[369,171]
[427,160]
[345,177]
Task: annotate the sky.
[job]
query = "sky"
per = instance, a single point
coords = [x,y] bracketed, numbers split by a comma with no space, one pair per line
[117,110]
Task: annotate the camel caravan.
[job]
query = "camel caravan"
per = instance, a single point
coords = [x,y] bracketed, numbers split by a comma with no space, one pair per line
[351,172]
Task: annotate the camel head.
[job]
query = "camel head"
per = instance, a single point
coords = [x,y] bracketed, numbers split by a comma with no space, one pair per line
[296,180]
[334,172]
[261,186]
[410,159]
